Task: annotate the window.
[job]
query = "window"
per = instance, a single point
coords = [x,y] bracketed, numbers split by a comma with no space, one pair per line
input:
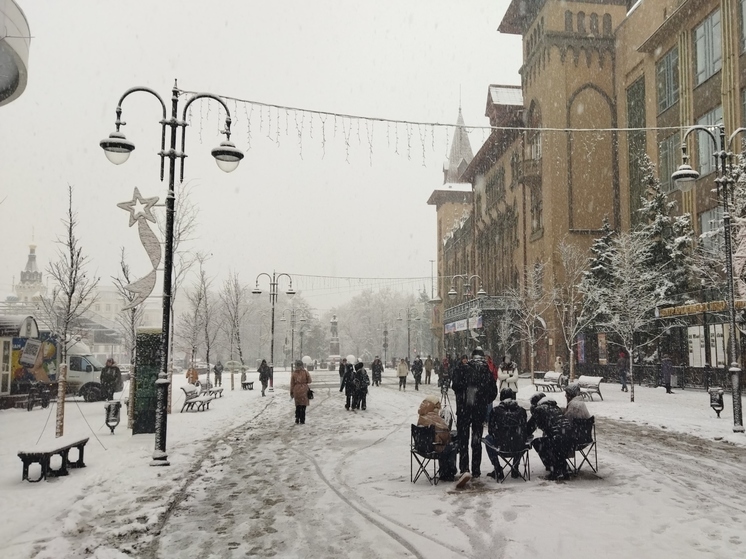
[743,25]
[515,169]
[568,21]
[108,308]
[581,23]
[636,144]
[667,72]
[97,307]
[669,157]
[707,49]
[705,147]
[711,226]
[495,189]
[537,220]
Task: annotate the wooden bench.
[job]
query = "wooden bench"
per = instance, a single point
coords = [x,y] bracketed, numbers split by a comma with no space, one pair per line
[590,386]
[214,392]
[246,385]
[43,456]
[551,381]
[192,397]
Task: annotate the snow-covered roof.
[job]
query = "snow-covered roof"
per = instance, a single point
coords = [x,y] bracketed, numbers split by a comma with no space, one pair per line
[506,95]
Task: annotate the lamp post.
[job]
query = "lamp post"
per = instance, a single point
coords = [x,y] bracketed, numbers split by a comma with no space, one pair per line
[117,149]
[273,284]
[685,178]
[293,315]
[466,292]
[411,315]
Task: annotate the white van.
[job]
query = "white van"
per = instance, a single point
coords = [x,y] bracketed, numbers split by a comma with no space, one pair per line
[83,372]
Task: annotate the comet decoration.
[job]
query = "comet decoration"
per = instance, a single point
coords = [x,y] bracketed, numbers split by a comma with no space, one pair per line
[140,212]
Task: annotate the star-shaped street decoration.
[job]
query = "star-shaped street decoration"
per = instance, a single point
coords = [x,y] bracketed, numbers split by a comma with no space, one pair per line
[139,207]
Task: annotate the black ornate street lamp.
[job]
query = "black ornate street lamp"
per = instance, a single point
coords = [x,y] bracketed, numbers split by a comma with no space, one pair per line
[273,292]
[684,179]
[411,315]
[117,149]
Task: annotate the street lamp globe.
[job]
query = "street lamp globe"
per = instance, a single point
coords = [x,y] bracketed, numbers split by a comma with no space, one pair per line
[481,292]
[684,177]
[256,291]
[452,292]
[227,156]
[290,293]
[117,148]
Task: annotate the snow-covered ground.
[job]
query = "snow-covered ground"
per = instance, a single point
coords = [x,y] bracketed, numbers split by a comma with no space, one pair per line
[245,481]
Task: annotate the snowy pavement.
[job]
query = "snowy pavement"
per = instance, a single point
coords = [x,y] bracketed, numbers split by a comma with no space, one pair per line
[245,481]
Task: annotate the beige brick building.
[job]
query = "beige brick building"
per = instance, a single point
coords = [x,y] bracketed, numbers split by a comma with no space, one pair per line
[602,83]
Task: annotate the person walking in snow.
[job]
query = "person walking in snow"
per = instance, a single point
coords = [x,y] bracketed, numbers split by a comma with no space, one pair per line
[299,381]
[264,375]
[417,372]
[622,367]
[360,382]
[475,388]
[667,372]
[428,369]
[111,379]
[402,371]
[218,370]
[342,368]
[377,370]
[348,384]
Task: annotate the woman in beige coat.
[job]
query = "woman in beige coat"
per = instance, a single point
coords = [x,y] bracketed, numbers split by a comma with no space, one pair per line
[401,371]
[299,381]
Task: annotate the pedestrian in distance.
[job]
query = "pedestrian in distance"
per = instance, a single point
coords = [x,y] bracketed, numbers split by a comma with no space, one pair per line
[377,371]
[348,385]
[342,368]
[218,370]
[299,381]
[264,375]
[622,367]
[360,383]
[667,372]
[475,388]
[111,379]
[417,372]
[402,371]
[428,369]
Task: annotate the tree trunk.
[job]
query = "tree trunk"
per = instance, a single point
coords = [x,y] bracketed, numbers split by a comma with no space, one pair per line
[61,389]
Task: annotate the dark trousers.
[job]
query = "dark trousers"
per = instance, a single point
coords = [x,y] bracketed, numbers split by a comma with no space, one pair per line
[553,452]
[465,426]
[417,380]
[447,462]
[402,383]
[300,414]
[218,379]
[427,377]
[348,397]
[358,400]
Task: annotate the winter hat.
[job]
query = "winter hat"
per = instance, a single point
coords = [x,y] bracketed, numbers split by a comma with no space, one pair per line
[358,365]
[477,351]
[572,390]
[432,399]
[507,394]
[298,364]
[536,398]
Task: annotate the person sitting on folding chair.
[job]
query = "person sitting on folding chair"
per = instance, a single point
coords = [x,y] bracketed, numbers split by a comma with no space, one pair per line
[554,447]
[507,420]
[428,413]
[576,408]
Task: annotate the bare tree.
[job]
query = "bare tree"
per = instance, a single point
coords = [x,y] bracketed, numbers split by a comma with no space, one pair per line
[207,313]
[190,325]
[575,311]
[72,295]
[128,320]
[533,303]
[235,309]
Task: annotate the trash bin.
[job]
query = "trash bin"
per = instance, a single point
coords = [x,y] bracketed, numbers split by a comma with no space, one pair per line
[716,399]
[113,411]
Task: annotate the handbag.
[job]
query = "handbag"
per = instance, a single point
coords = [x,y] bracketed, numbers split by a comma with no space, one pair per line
[310,394]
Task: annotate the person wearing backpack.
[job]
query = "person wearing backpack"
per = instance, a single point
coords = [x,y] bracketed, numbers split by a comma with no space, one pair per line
[507,421]
[360,383]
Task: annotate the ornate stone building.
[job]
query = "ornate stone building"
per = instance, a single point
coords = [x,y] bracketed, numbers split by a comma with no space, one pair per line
[603,82]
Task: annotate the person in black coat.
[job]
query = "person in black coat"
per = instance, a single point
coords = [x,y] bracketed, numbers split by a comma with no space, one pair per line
[475,388]
[342,368]
[348,384]
[377,370]
[360,381]
[417,372]
[507,422]
[554,446]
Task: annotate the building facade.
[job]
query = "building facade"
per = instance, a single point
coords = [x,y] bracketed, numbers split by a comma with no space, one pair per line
[603,83]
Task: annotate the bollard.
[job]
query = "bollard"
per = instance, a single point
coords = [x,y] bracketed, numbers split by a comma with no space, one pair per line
[113,410]
[716,399]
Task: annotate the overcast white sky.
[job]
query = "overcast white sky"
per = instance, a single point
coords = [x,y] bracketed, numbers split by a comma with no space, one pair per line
[297,207]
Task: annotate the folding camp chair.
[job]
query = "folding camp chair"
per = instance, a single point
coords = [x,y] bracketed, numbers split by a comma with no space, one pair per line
[585,444]
[422,450]
[512,449]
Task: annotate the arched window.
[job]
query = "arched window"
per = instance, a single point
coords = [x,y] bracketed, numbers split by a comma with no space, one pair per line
[594,24]
[607,25]
[581,23]
[568,21]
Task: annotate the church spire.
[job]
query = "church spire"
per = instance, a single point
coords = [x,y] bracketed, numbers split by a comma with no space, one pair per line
[461,153]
